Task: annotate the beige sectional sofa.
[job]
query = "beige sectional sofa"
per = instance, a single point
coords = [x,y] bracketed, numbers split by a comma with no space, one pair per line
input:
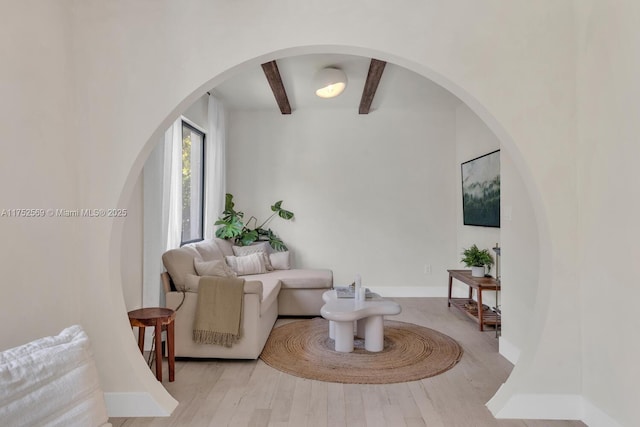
[290,292]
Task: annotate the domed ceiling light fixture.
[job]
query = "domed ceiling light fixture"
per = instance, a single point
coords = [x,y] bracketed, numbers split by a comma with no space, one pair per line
[329,82]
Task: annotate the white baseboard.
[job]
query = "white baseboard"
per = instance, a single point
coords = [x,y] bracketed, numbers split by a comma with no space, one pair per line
[508,350]
[411,291]
[541,406]
[555,407]
[595,417]
[133,404]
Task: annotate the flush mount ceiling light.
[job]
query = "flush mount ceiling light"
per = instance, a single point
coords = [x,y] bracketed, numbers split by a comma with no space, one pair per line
[329,82]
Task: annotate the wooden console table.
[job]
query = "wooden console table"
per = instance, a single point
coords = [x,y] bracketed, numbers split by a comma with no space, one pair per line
[467,305]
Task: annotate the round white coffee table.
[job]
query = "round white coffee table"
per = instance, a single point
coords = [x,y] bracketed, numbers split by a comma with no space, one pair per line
[368,315]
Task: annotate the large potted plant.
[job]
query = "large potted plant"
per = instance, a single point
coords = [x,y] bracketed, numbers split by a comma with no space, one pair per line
[477,259]
[245,233]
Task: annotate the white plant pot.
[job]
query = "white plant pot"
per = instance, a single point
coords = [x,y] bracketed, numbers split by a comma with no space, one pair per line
[477,271]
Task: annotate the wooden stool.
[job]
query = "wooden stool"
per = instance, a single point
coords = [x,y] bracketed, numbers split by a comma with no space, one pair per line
[161,319]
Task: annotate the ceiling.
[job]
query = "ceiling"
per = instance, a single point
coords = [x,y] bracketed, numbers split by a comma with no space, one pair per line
[399,87]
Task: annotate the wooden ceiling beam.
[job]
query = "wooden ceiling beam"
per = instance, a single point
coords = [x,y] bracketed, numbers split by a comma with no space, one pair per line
[371,85]
[275,81]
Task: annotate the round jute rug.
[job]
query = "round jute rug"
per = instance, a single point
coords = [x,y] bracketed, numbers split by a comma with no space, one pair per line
[411,352]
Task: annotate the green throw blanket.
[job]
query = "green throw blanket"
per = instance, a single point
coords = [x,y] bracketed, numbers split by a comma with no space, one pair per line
[218,316]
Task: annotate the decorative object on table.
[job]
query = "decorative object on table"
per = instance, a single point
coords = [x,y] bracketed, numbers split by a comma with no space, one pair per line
[497,309]
[232,227]
[350,292]
[359,292]
[411,352]
[477,259]
[497,249]
[355,290]
[481,190]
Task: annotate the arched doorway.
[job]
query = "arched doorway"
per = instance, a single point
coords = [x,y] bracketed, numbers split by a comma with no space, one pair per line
[472,103]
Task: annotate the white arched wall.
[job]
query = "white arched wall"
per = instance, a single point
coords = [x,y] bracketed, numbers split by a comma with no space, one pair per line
[528,356]
[136,66]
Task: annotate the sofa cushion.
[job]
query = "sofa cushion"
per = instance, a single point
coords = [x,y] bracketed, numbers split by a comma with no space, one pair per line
[225,246]
[179,263]
[270,288]
[192,284]
[298,278]
[216,267]
[249,264]
[209,250]
[262,248]
[253,287]
[306,278]
[280,260]
[250,286]
[266,288]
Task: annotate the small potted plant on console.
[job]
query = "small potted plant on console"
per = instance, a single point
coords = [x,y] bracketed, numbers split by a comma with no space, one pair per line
[477,259]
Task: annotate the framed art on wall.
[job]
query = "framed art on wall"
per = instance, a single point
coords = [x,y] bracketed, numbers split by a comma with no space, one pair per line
[481,190]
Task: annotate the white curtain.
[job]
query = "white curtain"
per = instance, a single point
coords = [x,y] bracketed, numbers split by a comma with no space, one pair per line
[172,186]
[215,174]
[162,213]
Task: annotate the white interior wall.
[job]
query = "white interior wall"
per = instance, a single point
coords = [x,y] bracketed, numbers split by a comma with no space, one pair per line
[126,87]
[473,139]
[373,195]
[132,250]
[40,282]
[517,235]
[197,112]
[519,260]
[609,94]
[153,244]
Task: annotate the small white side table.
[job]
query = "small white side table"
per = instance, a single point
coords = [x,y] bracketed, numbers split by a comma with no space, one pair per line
[368,315]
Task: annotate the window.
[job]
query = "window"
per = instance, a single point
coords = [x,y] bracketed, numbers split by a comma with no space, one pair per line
[192,184]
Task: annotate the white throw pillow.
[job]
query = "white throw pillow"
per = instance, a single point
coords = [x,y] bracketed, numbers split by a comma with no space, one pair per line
[249,264]
[213,268]
[280,260]
[51,381]
[262,248]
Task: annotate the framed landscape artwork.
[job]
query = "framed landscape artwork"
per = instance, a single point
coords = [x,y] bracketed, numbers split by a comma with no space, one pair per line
[481,190]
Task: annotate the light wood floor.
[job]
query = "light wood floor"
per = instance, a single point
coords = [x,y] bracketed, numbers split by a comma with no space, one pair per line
[250,393]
